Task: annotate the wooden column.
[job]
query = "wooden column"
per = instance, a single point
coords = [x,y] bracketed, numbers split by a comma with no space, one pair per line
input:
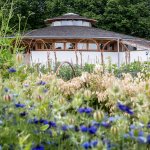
[118,48]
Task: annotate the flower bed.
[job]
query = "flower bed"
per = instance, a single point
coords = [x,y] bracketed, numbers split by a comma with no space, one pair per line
[92,111]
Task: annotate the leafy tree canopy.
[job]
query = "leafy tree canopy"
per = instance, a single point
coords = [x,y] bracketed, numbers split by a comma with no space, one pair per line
[125,16]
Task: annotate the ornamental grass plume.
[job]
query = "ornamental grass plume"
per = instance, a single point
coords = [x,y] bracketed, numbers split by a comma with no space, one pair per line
[19,58]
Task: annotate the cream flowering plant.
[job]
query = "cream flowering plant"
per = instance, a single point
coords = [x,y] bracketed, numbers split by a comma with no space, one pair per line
[92,111]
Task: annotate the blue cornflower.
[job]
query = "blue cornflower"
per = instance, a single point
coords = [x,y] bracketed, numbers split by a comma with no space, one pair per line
[20,105]
[64,127]
[109,146]
[132,126]
[97,124]
[41,120]
[85,110]
[45,90]
[106,124]
[141,139]
[23,114]
[131,134]
[83,128]
[88,110]
[45,122]
[41,83]
[141,133]
[6,90]
[26,85]
[148,139]
[126,135]
[76,128]
[115,118]
[36,121]
[92,129]
[11,70]
[86,145]
[94,143]
[52,124]
[39,147]
[125,108]
[148,125]
[81,110]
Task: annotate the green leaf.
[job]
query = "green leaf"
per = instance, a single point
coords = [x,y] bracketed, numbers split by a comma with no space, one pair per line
[44,127]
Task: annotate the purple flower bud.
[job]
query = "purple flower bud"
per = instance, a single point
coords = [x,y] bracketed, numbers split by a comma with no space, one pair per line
[36,121]
[141,139]
[86,145]
[52,124]
[6,90]
[38,147]
[125,108]
[11,70]
[94,143]
[148,125]
[20,105]
[88,110]
[92,130]
[83,128]
[106,124]
[23,114]
[64,127]
[148,139]
[41,83]
[81,110]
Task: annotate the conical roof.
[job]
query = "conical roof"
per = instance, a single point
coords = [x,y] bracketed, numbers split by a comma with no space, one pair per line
[70,16]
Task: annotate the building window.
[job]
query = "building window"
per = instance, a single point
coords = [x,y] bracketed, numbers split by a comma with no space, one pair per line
[71,23]
[101,46]
[48,46]
[134,48]
[77,23]
[39,45]
[92,46]
[67,23]
[82,46]
[56,23]
[70,46]
[86,24]
[59,45]
[111,47]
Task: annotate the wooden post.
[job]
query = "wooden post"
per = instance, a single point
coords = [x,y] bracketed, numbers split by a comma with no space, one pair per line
[118,48]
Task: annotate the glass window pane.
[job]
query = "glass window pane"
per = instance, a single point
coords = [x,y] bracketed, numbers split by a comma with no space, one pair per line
[111,47]
[67,23]
[87,24]
[57,23]
[82,46]
[39,45]
[70,45]
[92,46]
[59,45]
[77,23]
[134,48]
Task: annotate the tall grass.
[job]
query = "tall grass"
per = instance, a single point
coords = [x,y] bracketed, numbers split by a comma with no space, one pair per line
[10,37]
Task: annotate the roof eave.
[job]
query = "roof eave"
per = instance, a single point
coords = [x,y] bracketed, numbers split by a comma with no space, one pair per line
[47,21]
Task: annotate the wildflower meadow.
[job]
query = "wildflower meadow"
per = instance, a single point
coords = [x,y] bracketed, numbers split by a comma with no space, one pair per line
[95,110]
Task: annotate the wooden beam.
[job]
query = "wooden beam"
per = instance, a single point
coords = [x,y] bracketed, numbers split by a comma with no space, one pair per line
[118,48]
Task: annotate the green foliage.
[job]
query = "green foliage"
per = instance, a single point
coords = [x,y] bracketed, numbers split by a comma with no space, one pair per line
[6,58]
[35,110]
[129,17]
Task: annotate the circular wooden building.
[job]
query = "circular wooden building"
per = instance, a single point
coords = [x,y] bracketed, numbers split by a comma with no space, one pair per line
[74,38]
